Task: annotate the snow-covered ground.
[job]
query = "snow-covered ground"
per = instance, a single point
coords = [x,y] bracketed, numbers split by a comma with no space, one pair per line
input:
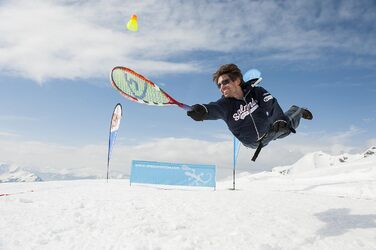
[332,207]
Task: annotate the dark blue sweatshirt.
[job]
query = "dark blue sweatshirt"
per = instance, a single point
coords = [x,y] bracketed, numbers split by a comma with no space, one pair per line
[250,118]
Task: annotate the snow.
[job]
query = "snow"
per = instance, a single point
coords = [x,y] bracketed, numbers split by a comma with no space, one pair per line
[329,206]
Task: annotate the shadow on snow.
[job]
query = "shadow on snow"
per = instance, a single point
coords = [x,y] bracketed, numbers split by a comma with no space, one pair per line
[339,221]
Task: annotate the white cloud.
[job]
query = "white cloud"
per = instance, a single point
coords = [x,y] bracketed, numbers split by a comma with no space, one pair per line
[8,134]
[43,40]
[82,39]
[16,118]
[371,142]
[369,119]
[343,136]
[92,159]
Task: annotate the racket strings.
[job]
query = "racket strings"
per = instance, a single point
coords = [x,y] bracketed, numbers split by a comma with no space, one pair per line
[134,86]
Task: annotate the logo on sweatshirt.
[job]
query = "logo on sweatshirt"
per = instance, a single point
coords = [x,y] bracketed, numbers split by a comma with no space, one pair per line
[245,110]
[268,98]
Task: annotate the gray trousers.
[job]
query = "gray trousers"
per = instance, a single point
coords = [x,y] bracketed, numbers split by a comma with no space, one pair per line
[294,114]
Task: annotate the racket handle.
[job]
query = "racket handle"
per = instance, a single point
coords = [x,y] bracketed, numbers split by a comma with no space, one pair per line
[185,107]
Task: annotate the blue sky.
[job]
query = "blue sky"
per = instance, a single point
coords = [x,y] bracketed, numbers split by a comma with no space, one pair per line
[56,99]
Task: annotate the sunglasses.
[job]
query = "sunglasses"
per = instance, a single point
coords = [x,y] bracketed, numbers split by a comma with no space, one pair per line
[224,82]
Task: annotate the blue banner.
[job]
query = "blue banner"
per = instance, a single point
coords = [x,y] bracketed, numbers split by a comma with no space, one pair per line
[164,173]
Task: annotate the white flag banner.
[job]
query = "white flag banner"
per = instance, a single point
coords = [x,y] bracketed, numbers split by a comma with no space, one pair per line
[115,124]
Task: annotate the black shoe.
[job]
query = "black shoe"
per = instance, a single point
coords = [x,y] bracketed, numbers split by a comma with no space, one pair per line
[306,114]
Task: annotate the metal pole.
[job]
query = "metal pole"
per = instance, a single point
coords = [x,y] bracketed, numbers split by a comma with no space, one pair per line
[233,178]
[108,167]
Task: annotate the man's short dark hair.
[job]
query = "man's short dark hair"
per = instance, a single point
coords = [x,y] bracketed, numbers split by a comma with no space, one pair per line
[231,70]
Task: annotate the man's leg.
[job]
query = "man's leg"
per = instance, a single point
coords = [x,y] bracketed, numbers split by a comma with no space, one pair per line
[295,114]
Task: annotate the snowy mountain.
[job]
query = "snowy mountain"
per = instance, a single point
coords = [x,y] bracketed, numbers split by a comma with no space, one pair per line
[13,173]
[321,160]
[370,152]
[48,176]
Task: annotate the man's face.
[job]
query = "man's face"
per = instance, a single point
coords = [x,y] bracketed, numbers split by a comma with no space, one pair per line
[228,87]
